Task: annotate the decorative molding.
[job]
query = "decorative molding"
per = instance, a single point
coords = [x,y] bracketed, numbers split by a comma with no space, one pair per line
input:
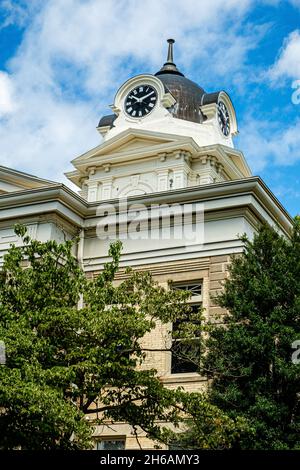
[61,200]
[162,179]
[103,130]
[168,100]
[134,180]
[209,110]
[91,170]
[115,109]
[92,191]
[107,167]
[194,265]
[32,230]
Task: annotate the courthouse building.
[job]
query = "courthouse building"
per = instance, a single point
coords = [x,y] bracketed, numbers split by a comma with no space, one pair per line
[167,144]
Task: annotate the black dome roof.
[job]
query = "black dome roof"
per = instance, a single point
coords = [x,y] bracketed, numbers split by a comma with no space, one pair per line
[188,94]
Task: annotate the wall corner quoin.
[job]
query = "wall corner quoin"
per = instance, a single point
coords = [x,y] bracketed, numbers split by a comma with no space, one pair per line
[218,273]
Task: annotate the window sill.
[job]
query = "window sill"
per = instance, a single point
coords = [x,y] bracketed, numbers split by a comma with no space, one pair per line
[183,378]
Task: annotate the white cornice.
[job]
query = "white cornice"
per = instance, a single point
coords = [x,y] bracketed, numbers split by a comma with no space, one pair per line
[218,196]
[120,149]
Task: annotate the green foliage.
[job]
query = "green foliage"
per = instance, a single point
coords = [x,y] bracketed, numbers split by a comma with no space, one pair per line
[205,426]
[250,357]
[65,363]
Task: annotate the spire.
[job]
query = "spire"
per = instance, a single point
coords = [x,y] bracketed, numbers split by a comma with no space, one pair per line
[170,51]
[169,66]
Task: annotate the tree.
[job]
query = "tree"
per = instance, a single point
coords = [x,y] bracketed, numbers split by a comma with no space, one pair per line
[249,358]
[67,363]
[205,426]
[70,367]
[63,362]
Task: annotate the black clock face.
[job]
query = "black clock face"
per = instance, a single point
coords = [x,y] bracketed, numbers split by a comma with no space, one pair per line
[140,101]
[223,118]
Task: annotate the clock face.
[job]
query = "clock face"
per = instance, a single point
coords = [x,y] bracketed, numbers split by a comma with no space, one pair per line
[223,118]
[140,101]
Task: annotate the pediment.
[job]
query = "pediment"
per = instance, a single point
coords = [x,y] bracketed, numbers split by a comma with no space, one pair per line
[137,143]
[240,162]
[128,144]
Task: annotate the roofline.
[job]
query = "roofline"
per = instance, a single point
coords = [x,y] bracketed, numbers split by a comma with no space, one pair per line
[131,132]
[86,210]
[14,172]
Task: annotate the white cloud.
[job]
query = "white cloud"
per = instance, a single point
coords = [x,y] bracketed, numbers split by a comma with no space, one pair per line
[264,144]
[7,104]
[288,63]
[295,3]
[15,12]
[75,54]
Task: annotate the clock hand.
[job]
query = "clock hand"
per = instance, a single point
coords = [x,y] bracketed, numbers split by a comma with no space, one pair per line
[224,117]
[137,99]
[223,113]
[146,96]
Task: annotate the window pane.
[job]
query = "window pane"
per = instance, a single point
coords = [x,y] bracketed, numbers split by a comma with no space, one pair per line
[186,352]
[107,444]
[194,288]
[185,356]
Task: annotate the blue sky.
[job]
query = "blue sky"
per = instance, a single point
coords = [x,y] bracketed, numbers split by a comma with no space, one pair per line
[61,63]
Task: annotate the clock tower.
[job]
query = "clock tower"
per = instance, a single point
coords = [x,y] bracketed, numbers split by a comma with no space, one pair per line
[166,151]
[165,132]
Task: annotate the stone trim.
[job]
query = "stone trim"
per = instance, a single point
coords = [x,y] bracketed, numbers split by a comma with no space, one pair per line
[163,270]
[218,272]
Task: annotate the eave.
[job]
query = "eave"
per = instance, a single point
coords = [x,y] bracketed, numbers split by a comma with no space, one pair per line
[219,196]
[23,180]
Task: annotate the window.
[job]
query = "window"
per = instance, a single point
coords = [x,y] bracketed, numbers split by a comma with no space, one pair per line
[110,444]
[186,354]
[195,289]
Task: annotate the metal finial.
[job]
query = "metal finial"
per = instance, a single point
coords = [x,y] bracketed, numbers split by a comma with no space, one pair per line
[169,66]
[170,51]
